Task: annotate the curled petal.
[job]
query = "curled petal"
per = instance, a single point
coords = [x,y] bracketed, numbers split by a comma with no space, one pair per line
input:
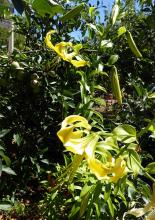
[79,63]
[119,170]
[79,146]
[62,50]
[65,133]
[91,146]
[70,120]
[48,39]
[98,168]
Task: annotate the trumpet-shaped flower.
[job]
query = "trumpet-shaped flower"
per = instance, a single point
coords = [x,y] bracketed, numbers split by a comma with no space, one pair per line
[149,208]
[77,141]
[62,50]
[112,171]
[76,137]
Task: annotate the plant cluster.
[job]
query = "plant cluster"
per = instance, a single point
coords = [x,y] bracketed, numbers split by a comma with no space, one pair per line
[101,87]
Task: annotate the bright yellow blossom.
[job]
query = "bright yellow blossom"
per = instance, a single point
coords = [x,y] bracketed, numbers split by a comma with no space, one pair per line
[76,137]
[62,50]
[112,171]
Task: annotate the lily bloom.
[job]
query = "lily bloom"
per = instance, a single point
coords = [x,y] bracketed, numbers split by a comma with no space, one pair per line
[149,208]
[111,171]
[62,50]
[76,137]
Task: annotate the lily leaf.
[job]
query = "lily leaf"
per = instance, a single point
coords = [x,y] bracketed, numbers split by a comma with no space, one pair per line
[47,7]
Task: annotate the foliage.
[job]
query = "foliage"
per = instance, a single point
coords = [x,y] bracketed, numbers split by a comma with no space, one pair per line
[106,77]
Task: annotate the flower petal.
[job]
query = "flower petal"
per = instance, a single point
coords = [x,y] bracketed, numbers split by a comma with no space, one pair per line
[79,145]
[65,133]
[119,170]
[70,120]
[61,49]
[79,63]
[91,146]
[48,39]
[98,168]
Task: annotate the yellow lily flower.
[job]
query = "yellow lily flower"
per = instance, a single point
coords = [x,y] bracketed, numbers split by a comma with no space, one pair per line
[62,50]
[76,138]
[112,171]
[149,208]
[101,171]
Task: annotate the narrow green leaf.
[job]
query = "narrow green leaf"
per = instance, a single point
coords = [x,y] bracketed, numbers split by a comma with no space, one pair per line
[7,160]
[85,190]
[100,88]
[95,197]
[73,13]
[106,44]
[0,167]
[107,192]
[8,170]
[115,12]
[4,132]
[91,11]
[74,210]
[111,207]
[84,204]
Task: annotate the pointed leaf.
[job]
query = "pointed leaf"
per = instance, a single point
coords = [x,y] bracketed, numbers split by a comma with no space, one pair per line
[150,168]
[134,162]
[113,59]
[4,132]
[121,31]
[47,7]
[125,133]
[8,170]
[73,13]
[84,204]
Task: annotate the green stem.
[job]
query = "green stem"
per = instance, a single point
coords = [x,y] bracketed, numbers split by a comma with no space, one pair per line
[149,176]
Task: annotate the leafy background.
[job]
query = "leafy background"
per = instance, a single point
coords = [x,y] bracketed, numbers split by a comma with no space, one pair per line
[38,90]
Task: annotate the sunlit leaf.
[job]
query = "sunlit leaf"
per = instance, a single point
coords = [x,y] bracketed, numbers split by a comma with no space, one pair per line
[8,170]
[152,96]
[125,133]
[134,162]
[106,44]
[47,7]
[73,13]
[121,31]
[150,168]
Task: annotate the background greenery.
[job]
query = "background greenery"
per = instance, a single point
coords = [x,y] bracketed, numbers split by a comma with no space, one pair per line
[38,91]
